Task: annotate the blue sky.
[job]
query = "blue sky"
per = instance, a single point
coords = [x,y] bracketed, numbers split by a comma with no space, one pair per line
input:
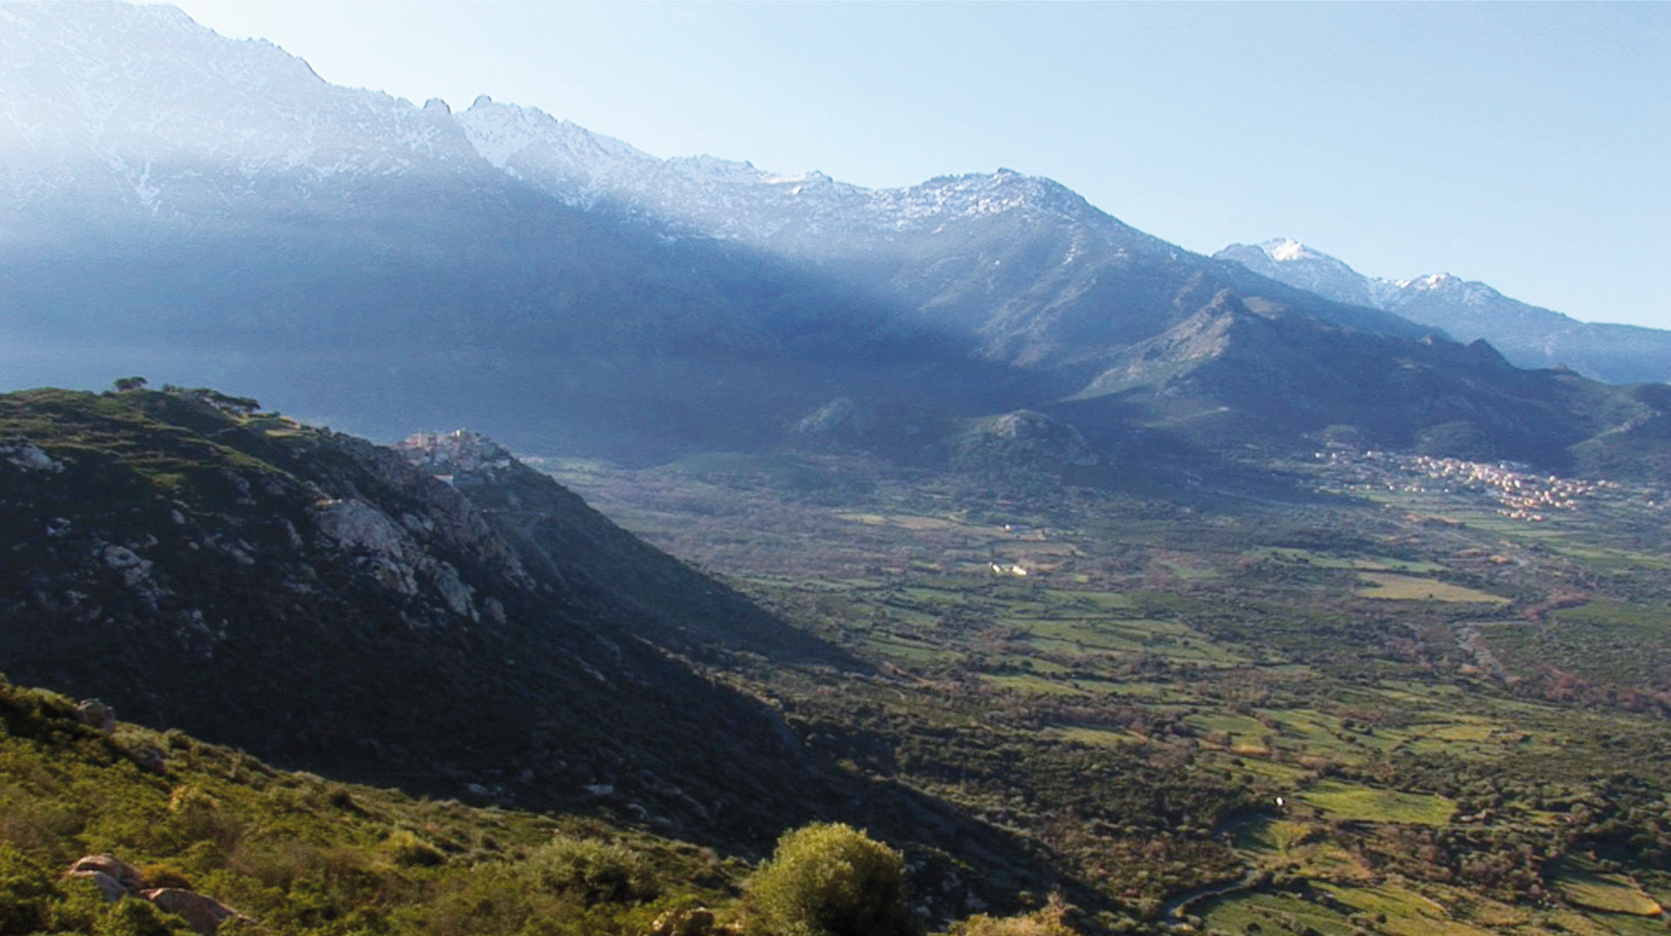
[1525,145]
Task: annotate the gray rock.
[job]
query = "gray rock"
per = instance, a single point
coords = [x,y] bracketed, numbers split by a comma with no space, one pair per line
[125,875]
[203,914]
[96,714]
[108,886]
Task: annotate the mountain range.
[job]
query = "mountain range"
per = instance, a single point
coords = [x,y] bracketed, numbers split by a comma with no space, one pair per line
[209,211]
[1527,335]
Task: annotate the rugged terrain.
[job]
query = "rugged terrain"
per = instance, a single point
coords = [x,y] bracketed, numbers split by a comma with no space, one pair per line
[332,604]
[211,212]
[1083,569]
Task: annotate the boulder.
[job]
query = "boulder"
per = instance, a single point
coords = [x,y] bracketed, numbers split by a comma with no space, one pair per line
[111,888]
[149,759]
[96,714]
[203,914]
[125,875]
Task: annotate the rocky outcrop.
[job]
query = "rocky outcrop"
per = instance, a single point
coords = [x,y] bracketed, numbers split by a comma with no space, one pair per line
[96,714]
[125,875]
[28,457]
[204,914]
[113,877]
[116,880]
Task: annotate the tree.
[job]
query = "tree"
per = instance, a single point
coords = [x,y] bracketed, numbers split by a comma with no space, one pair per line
[124,384]
[829,879]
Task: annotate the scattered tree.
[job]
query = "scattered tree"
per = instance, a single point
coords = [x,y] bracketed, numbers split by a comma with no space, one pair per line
[829,879]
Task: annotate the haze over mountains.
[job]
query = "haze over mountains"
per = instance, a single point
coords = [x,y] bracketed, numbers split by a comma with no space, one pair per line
[1527,335]
[209,211]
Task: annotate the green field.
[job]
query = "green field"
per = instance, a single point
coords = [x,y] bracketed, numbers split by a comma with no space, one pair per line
[1365,804]
[1387,586]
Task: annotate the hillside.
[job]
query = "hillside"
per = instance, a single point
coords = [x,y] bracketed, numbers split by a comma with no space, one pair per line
[113,828]
[291,852]
[1231,373]
[200,564]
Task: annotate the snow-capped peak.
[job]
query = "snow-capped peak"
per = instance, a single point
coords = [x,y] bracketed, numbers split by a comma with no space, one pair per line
[500,132]
[1430,281]
[146,97]
[707,196]
[1287,250]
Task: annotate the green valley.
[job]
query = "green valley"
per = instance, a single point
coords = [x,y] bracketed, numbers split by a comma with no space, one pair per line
[1376,705]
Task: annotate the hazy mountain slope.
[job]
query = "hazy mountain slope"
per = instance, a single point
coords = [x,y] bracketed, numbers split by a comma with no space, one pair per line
[1231,373]
[150,138]
[208,211]
[1527,335]
[325,601]
[1024,263]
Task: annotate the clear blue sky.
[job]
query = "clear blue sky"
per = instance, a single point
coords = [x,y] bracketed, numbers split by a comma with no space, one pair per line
[1525,145]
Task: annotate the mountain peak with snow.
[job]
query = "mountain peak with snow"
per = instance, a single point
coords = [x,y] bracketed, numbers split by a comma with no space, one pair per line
[1289,261]
[144,102]
[1527,335]
[1287,250]
[723,199]
[151,98]
[1431,281]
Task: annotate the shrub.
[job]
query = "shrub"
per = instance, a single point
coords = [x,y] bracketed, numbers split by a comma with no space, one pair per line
[131,916]
[163,874]
[594,870]
[26,893]
[829,879]
[409,851]
[1048,921]
[198,817]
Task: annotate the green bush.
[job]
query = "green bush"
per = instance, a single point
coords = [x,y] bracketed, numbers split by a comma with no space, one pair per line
[26,893]
[592,869]
[131,916]
[410,851]
[829,879]
[1050,920]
